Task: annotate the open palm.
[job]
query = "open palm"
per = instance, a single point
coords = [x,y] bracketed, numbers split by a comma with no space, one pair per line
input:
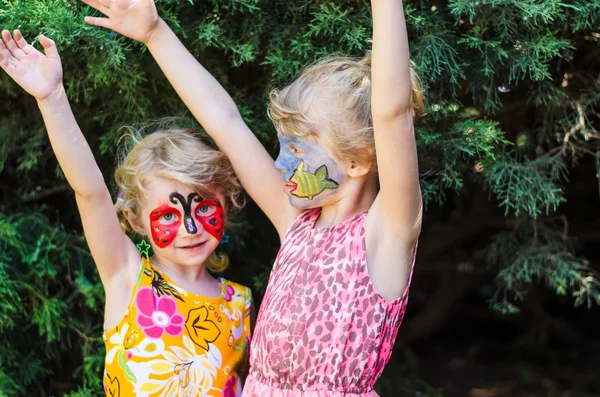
[36,73]
[135,19]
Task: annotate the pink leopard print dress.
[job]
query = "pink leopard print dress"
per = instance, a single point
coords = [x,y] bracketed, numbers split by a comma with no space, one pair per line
[322,330]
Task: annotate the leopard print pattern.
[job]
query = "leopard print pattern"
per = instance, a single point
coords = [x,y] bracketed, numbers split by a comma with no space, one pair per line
[322,325]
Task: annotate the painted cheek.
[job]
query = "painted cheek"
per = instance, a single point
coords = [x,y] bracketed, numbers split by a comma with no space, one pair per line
[213,223]
[163,235]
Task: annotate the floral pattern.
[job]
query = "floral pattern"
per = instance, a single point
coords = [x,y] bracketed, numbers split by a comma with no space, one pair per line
[175,343]
[229,293]
[228,391]
[202,330]
[157,315]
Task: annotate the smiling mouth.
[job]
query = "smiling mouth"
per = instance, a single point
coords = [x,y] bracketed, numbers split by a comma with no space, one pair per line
[193,246]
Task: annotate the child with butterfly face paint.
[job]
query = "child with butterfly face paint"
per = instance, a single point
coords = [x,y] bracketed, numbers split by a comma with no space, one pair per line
[171,328]
[343,195]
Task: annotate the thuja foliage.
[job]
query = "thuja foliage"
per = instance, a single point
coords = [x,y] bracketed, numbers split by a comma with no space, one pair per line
[50,307]
[512,107]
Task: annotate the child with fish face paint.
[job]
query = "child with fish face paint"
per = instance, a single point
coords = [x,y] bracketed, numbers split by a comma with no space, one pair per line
[175,191]
[343,195]
[310,173]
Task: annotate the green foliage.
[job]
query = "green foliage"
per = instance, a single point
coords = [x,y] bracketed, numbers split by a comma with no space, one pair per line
[448,157]
[512,110]
[531,187]
[539,251]
[51,302]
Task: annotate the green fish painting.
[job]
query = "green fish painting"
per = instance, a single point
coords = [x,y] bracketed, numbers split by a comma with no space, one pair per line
[309,185]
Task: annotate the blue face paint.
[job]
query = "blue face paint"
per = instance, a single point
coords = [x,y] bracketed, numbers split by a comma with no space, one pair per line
[286,161]
[309,170]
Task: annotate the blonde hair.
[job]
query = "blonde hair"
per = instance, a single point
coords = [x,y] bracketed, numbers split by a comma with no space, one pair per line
[177,155]
[332,99]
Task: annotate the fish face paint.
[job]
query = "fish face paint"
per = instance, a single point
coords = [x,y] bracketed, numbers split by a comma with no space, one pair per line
[165,220]
[309,170]
[309,185]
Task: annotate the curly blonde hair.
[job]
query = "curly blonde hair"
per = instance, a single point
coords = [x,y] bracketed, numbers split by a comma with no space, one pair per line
[332,99]
[178,155]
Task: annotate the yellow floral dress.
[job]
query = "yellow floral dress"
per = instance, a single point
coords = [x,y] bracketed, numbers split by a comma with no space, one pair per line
[175,343]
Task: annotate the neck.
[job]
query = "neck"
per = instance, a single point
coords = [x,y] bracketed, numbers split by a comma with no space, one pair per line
[357,197]
[182,275]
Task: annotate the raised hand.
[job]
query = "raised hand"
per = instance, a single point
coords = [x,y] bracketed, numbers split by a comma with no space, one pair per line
[36,73]
[135,19]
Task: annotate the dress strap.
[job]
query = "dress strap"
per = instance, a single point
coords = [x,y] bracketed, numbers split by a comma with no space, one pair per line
[305,218]
[138,281]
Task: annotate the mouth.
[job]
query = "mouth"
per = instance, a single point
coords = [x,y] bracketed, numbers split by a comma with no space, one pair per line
[291,186]
[193,247]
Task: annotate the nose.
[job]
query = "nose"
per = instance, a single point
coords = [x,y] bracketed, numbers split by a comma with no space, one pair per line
[191,225]
[286,162]
[280,163]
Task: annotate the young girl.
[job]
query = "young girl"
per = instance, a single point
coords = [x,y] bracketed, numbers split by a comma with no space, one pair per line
[171,328]
[343,194]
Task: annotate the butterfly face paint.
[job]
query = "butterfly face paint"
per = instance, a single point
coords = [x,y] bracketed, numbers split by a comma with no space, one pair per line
[310,172]
[188,221]
[164,224]
[165,220]
[210,214]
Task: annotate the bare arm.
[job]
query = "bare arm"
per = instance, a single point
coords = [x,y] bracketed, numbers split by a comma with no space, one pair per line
[394,222]
[208,101]
[41,76]
[216,111]
[399,199]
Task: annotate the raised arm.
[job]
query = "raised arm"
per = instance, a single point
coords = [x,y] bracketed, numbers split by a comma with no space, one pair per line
[394,221]
[208,101]
[41,76]
[399,201]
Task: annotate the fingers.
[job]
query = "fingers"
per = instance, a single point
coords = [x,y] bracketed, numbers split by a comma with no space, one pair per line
[49,47]
[11,45]
[22,43]
[6,39]
[4,53]
[101,22]
[100,5]
[7,61]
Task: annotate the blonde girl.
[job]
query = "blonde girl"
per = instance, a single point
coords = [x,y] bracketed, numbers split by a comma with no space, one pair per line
[171,329]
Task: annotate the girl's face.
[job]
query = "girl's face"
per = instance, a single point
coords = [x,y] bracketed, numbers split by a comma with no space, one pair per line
[309,170]
[184,227]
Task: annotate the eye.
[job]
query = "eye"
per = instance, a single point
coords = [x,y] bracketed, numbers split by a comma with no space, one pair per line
[168,219]
[296,151]
[205,210]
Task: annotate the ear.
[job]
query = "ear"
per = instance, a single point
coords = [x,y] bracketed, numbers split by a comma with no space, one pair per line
[358,169]
[362,163]
[135,223]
